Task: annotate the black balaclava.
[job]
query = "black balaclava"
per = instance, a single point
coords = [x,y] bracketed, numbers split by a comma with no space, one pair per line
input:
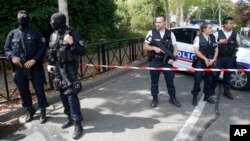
[23,21]
[58,21]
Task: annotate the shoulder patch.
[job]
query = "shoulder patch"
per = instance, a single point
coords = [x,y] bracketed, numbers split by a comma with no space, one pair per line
[80,42]
[43,39]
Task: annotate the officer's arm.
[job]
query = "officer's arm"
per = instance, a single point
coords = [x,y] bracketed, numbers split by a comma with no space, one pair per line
[197,49]
[148,47]
[77,47]
[175,49]
[238,40]
[220,41]
[7,47]
[174,44]
[41,48]
[199,54]
[216,53]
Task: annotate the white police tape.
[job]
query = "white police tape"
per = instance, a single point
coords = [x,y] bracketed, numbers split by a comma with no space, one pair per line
[190,69]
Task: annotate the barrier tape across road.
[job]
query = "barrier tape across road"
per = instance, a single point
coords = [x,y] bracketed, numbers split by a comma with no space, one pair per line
[191,69]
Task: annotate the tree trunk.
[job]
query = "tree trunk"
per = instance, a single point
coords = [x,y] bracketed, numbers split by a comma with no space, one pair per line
[167,13]
[219,8]
[181,14]
[63,7]
[154,9]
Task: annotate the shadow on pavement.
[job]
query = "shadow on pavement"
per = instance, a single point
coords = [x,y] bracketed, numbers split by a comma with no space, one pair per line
[98,122]
[8,130]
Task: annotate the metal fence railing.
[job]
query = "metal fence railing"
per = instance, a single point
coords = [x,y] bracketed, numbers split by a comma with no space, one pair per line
[120,52]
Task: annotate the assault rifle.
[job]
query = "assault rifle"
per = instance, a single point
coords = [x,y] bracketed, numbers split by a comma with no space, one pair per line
[167,53]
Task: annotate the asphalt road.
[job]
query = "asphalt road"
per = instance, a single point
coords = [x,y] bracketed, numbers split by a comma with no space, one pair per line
[119,110]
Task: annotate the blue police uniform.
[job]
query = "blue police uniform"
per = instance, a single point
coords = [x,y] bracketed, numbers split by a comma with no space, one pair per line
[157,60]
[226,59]
[34,49]
[207,48]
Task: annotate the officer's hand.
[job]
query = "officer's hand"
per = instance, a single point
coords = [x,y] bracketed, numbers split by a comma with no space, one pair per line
[207,62]
[29,63]
[170,61]
[68,39]
[17,61]
[211,62]
[158,50]
[223,41]
[51,68]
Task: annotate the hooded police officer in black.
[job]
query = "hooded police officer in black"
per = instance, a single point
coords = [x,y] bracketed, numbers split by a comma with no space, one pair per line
[25,48]
[65,47]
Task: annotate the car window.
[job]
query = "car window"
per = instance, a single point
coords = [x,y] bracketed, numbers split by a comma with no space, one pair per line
[244,41]
[183,35]
[195,32]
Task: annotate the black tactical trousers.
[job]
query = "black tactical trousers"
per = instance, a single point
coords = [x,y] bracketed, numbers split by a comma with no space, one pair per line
[227,63]
[198,76]
[71,101]
[155,75]
[37,80]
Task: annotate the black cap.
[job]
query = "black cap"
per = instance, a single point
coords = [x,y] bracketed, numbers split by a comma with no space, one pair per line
[22,12]
[58,21]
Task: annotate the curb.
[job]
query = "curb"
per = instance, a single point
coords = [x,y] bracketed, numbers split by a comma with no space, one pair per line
[86,86]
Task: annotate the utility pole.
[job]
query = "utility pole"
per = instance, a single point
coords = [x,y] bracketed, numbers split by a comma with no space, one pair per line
[63,7]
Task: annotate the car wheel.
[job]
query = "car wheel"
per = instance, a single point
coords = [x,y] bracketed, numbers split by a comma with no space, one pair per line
[240,80]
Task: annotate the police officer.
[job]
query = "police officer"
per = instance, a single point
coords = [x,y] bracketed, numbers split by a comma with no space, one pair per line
[67,42]
[228,42]
[206,51]
[161,35]
[25,48]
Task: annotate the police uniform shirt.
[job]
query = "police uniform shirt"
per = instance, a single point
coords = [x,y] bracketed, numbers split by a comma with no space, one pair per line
[197,41]
[227,34]
[162,32]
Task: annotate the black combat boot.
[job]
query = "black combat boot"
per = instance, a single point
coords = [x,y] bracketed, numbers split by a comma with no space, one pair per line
[42,116]
[174,101]
[195,101]
[78,130]
[228,95]
[30,112]
[154,102]
[208,99]
[68,123]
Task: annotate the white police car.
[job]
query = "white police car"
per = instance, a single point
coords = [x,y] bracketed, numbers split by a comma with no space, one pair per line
[185,37]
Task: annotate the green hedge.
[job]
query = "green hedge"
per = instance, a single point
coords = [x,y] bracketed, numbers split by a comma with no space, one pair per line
[95,20]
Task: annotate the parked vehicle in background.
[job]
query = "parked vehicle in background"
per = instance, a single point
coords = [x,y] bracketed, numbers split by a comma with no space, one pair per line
[185,37]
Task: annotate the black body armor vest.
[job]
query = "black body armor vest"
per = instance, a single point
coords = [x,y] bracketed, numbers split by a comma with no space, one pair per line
[166,40]
[207,47]
[61,50]
[230,48]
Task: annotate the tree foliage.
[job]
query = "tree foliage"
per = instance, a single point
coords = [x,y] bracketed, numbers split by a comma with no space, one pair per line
[107,19]
[40,12]
[242,12]
[93,19]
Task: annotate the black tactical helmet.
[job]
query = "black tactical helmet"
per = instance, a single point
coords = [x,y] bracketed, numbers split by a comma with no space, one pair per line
[58,21]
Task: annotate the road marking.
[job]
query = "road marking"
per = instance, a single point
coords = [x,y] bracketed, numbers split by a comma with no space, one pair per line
[189,125]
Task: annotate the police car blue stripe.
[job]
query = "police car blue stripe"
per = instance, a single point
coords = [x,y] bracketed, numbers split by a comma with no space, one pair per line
[188,56]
